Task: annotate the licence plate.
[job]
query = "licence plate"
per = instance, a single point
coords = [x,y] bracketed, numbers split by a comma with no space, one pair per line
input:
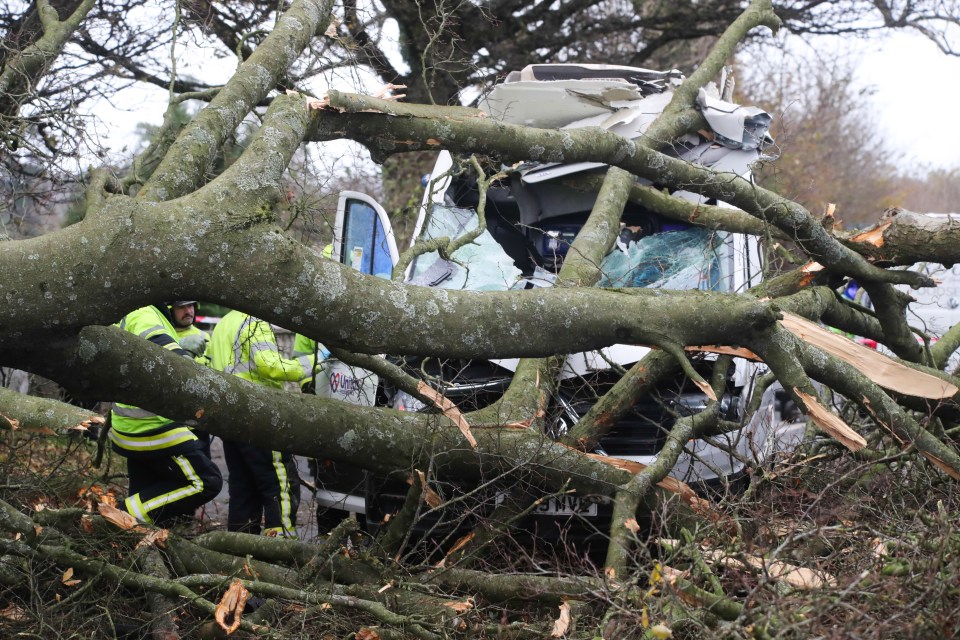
[567,506]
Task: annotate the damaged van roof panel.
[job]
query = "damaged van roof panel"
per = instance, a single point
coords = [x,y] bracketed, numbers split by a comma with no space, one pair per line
[625,104]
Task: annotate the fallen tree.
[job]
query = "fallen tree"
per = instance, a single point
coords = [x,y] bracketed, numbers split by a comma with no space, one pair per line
[144,233]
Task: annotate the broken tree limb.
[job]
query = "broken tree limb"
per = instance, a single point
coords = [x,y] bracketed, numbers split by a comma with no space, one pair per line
[44,416]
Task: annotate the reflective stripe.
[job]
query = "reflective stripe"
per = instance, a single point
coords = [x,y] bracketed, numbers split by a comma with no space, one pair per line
[146,334]
[238,343]
[135,508]
[243,367]
[195,487]
[132,412]
[307,363]
[150,443]
[285,520]
[257,347]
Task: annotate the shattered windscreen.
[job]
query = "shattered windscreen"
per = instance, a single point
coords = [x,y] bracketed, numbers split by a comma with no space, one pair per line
[677,259]
[481,265]
[681,259]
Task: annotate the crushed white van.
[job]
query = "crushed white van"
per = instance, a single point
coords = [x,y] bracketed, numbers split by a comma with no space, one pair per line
[532,218]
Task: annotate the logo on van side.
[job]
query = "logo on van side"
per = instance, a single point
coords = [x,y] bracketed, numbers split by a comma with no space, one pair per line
[345,385]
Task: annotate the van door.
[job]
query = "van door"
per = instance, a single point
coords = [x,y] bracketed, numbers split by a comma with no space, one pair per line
[363,236]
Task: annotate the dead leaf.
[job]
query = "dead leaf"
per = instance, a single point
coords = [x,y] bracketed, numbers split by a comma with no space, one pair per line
[37,529]
[198,414]
[116,517]
[561,624]
[231,605]
[68,578]
[879,548]
[610,573]
[366,633]
[830,423]
[86,524]
[661,631]
[449,409]
[878,367]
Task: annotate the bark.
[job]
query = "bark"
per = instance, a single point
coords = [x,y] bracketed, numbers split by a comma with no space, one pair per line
[183,236]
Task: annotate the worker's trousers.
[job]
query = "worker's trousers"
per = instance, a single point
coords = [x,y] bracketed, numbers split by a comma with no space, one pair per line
[264,490]
[165,487]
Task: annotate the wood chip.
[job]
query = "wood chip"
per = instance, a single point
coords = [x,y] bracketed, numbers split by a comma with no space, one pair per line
[830,423]
[430,497]
[461,606]
[155,537]
[116,517]
[230,608]
[800,577]
[449,409]
[707,390]
[561,624]
[730,351]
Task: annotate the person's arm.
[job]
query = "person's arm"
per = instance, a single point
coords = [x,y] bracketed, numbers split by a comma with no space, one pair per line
[267,359]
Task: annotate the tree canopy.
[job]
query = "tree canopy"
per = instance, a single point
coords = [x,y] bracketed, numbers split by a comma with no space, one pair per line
[171,227]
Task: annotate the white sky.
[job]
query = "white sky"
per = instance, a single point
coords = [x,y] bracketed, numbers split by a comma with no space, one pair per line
[917,97]
[917,94]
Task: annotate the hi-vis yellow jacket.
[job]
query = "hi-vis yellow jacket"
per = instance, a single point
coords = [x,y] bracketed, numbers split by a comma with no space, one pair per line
[137,431]
[247,348]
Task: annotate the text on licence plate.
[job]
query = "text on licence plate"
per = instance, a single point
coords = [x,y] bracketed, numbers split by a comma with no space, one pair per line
[567,506]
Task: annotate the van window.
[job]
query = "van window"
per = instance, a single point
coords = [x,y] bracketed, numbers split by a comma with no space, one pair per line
[365,246]
[677,259]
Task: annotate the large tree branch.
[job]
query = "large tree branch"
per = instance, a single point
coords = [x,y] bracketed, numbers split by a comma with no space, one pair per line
[383,134]
[185,165]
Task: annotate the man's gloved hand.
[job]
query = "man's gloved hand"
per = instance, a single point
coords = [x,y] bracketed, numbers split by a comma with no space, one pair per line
[195,343]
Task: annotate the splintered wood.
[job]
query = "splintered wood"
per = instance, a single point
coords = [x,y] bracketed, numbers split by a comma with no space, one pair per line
[880,368]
